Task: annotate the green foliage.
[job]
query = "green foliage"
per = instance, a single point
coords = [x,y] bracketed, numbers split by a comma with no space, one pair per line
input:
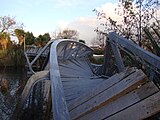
[4,35]
[29,38]
[156,48]
[96,60]
[20,34]
[4,40]
[11,54]
[41,40]
[98,51]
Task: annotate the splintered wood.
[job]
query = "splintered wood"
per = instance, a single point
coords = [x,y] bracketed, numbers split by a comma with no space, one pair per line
[117,98]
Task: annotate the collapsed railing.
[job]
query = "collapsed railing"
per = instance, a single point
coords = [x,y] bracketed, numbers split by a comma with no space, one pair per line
[116,46]
[36,94]
[126,49]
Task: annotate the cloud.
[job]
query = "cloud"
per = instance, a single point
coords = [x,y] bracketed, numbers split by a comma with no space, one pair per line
[61,24]
[109,10]
[86,25]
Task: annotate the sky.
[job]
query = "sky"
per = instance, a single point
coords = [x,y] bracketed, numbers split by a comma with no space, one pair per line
[43,16]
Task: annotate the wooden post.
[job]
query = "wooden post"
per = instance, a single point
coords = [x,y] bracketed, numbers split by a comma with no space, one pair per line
[117,56]
[132,47]
[107,60]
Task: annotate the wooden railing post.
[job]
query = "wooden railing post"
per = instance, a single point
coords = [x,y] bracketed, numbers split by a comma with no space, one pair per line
[117,56]
[149,57]
[107,59]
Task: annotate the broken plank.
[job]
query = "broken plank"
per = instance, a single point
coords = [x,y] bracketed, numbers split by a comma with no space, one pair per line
[112,93]
[103,86]
[141,110]
[123,102]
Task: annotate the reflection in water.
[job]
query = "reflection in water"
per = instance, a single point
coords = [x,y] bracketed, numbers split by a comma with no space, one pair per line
[12,82]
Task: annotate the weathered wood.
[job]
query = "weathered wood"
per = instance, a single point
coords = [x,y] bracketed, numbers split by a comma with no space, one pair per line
[43,49]
[117,56]
[97,90]
[80,68]
[106,70]
[59,105]
[121,88]
[122,103]
[60,109]
[29,64]
[141,110]
[129,45]
[75,87]
[39,76]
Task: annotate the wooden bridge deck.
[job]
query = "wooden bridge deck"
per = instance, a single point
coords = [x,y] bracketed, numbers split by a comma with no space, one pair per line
[80,92]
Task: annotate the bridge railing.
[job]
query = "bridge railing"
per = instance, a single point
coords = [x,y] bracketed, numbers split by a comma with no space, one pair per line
[63,50]
[119,45]
[37,53]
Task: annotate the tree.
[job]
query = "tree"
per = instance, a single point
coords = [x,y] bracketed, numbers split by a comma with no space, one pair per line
[136,15]
[41,40]
[4,40]
[68,34]
[20,35]
[99,40]
[29,38]
[8,24]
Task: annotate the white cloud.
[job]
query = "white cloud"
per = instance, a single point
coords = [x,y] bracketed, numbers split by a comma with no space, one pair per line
[86,25]
[61,24]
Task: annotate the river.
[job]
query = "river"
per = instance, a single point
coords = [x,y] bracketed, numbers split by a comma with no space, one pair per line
[12,82]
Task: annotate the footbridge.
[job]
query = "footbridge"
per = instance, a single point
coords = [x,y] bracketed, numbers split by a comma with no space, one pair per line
[66,85]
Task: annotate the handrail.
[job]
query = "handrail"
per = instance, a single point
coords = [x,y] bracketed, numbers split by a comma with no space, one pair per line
[59,105]
[37,56]
[39,76]
[137,50]
[67,51]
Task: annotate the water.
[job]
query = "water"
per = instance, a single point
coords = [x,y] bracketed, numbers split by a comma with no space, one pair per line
[12,82]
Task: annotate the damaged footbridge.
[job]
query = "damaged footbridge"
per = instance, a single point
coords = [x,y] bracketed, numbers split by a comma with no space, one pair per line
[65,85]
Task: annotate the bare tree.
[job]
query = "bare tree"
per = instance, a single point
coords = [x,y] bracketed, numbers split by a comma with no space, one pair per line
[99,40]
[136,15]
[8,24]
[68,34]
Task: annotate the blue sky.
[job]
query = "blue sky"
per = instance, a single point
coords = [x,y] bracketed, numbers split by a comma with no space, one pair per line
[41,16]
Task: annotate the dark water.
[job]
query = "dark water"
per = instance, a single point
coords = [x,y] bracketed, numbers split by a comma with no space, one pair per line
[12,82]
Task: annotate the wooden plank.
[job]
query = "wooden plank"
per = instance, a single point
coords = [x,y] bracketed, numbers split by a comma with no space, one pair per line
[129,45]
[105,85]
[78,67]
[126,85]
[122,103]
[106,69]
[29,64]
[42,50]
[76,88]
[39,76]
[59,105]
[118,57]
[141,110]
